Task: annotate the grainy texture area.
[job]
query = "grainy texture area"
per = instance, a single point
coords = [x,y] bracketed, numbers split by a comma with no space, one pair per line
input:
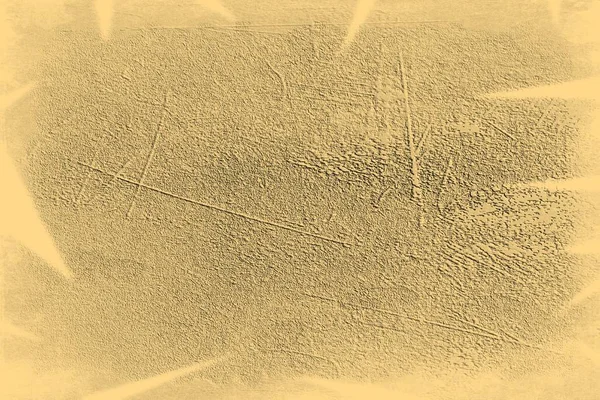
[256,190]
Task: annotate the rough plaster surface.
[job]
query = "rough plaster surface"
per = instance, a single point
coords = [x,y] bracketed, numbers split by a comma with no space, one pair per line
[252,192]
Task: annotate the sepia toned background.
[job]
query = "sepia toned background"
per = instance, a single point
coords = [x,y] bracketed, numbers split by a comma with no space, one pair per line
[357,199]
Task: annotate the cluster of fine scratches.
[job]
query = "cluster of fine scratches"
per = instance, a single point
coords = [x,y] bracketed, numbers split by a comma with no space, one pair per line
[376,179]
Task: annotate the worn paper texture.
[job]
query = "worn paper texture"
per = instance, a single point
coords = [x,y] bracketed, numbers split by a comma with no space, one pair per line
[301,199]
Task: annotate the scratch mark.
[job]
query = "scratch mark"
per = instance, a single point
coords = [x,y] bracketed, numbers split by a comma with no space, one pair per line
[222,210]
[499,129]
[419,151]
[381,196]
[113,178]
[510,335]
[544,114]
[284,89]
[89,174]
[150,157]
[413,156]
[461,253]
[416,180]
[505,336]
[442,325]
[481,328]
[494,256]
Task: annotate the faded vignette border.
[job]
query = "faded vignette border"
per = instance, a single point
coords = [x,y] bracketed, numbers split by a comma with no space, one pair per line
[299,200]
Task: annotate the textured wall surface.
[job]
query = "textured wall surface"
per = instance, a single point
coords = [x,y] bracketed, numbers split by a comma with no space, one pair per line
[300,199]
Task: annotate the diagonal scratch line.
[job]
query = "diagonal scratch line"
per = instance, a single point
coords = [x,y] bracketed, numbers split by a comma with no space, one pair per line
[417,193]
[494,336]
[544,114]
[458,318]
[94,160]
[488,251]
[286,93]
[402,316]
[150,157]
[499,129]
[424,138]
[113,178]
[284,88]
[461,252]
[216,208]
[460,256]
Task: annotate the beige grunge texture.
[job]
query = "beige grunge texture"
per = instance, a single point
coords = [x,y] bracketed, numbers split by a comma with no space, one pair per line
[301,199]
